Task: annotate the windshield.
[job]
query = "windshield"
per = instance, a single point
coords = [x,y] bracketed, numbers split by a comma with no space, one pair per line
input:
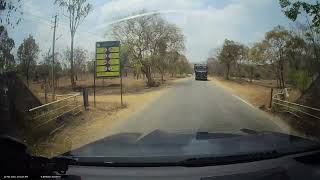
[118,78]
[200,68]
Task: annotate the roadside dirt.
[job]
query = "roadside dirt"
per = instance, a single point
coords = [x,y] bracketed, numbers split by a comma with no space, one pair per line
[257,93]
[95,123]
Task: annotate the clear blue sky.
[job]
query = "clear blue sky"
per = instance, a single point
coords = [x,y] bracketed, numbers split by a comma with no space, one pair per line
[205,23]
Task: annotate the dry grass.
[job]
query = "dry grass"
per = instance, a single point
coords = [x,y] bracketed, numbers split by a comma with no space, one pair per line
[104,86]
[96,123]
[257,93]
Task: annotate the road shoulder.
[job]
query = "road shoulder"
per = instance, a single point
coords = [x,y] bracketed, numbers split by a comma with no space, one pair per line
[255,96]
[97,123]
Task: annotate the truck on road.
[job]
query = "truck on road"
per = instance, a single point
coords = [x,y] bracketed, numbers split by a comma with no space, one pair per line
[200,71]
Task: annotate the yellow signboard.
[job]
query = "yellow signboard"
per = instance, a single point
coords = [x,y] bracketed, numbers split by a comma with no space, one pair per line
[107,68]
[111,62]
[113,55]
[114,49]
[100,50]
[101,56]
[108,59]
[108,74]
[108,56]
[110,49]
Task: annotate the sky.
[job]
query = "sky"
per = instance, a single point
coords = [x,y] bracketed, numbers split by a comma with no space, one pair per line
[204,23]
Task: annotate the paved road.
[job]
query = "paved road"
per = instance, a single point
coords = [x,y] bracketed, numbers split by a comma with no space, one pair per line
[197,105]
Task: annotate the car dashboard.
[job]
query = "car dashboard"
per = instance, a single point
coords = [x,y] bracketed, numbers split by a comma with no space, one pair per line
[291,167]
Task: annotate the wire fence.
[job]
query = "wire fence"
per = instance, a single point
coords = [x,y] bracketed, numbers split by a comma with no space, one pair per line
[42,115]
[281,105]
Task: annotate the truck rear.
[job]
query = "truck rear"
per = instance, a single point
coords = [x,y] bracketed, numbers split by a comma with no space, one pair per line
[200,71]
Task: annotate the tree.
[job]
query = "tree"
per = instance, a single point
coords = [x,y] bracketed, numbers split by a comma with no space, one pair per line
[80,58]
[27,54]
[148,39]
[173,58]
[126,61]
[134,34]
[256,56]
[183,65]
[215,67]
[229,54]
[44,68]
[90,66]
[292,9]
[243,56]
[77,11]
[295,50]
[6,45]
[167,38]
[7,7]
[277,42]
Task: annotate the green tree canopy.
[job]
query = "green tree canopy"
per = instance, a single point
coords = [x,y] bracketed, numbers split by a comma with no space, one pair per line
[27,55]
[6,45]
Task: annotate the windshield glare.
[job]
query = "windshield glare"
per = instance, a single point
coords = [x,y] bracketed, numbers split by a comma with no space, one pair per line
[159,78]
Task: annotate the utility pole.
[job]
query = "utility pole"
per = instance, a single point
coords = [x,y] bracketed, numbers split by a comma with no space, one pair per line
[53,44]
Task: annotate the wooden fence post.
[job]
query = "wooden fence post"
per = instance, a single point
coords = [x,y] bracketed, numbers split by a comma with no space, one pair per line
[45,92]
[271,96]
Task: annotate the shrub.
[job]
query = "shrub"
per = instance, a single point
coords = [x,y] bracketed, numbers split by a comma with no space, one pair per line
[302,80]
[257,76]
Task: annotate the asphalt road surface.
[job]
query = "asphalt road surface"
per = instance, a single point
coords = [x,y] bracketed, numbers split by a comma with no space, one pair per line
[197,106]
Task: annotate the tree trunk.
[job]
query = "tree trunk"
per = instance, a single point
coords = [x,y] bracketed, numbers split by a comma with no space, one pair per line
[282,76]
[73,83]
[146,69]
[251,74]
[162,79]
[45,91]
[239,72]
[228,71]
[278,76]
[27,74]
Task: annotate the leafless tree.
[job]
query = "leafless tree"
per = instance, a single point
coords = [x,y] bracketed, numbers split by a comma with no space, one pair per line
[77,11]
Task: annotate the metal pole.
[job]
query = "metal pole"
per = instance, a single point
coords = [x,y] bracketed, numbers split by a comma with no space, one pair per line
[120,77]
[94,84]
[53,44]
[121,88]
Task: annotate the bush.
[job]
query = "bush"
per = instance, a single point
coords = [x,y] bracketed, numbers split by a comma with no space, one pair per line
[257,76]
[302,80]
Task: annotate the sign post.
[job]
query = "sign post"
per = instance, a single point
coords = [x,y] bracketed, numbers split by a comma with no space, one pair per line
[94,84]
[107,62]
[121,89]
